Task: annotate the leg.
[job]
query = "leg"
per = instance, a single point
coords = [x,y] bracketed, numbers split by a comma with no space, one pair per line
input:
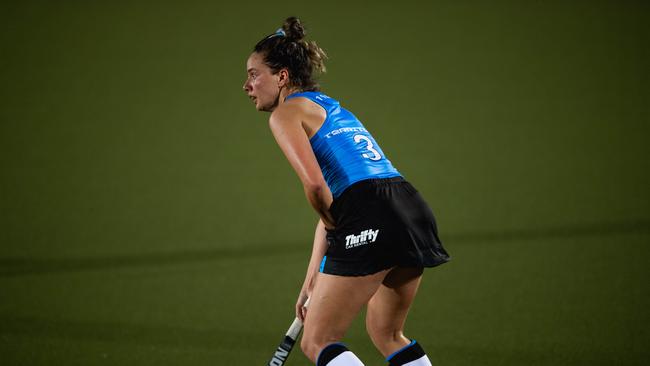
[334,303]
[388,308]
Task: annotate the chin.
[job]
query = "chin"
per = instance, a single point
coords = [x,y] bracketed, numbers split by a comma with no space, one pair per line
[267,107]
[263,108]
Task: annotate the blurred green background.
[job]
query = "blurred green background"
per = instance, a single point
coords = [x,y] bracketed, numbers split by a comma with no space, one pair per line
[148,218]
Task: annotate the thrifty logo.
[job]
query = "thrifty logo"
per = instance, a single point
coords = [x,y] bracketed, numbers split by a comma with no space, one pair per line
[365,237]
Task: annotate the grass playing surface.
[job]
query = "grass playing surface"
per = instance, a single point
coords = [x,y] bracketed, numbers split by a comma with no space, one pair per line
[147,217]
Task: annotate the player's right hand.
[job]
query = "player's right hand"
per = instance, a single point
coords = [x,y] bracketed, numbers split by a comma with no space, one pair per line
[301,308]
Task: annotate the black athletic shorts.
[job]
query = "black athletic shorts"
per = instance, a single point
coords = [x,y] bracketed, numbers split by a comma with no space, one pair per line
[380,224]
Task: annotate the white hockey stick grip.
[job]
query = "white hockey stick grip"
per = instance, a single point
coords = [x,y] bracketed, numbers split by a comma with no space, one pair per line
[296,326]
[294,329]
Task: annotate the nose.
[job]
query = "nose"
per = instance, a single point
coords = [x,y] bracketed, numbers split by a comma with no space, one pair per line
[246,85]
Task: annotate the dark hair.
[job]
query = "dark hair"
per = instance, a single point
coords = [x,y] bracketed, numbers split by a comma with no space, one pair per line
[287,49]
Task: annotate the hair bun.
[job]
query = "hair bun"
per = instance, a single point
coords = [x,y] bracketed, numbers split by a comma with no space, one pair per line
[293,29]
[287,49]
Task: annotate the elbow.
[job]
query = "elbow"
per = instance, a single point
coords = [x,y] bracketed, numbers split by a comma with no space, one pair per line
[315,189]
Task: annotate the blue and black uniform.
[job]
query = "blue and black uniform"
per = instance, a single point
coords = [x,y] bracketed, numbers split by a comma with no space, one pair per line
[381,220]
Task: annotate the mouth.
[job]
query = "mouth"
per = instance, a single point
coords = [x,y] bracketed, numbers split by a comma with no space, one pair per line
[252,98]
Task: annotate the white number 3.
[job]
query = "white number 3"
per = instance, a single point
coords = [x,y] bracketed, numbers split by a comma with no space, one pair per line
[375,154]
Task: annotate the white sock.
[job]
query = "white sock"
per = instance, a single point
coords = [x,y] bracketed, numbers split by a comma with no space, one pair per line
[346,358]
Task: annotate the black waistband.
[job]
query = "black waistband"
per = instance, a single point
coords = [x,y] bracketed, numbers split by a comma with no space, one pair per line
[374,181]
[363,185]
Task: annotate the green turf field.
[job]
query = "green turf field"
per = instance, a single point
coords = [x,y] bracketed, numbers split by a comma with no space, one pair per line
[148,218]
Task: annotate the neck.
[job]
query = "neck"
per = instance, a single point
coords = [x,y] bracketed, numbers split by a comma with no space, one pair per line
[284,92]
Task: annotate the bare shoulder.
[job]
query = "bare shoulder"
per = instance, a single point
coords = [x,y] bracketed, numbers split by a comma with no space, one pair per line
[286,113]
[299,111]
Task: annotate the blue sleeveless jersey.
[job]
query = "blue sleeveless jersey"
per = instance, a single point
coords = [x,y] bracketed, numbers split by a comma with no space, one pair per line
[345,150]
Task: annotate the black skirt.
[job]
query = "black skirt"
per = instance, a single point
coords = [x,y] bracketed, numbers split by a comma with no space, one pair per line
[380,224]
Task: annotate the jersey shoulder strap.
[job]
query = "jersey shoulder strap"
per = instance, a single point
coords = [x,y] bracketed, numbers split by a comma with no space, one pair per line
[329,104]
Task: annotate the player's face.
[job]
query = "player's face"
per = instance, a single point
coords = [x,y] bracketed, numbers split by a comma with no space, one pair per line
[261,85]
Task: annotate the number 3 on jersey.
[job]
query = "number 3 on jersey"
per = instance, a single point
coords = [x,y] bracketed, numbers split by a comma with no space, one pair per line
[369,146]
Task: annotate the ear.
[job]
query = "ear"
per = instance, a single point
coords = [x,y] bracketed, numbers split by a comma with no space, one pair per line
[283,77]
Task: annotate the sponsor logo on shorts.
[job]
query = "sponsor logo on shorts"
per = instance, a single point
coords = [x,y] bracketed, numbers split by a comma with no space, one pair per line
[365,237]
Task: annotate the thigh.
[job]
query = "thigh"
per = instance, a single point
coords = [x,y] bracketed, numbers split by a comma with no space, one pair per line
[335,302]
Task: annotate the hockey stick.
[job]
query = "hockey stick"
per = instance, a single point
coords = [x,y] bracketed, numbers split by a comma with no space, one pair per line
[282,352]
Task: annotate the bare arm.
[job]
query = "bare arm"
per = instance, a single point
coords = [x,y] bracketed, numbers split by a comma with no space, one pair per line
[317,254]
[286,125]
